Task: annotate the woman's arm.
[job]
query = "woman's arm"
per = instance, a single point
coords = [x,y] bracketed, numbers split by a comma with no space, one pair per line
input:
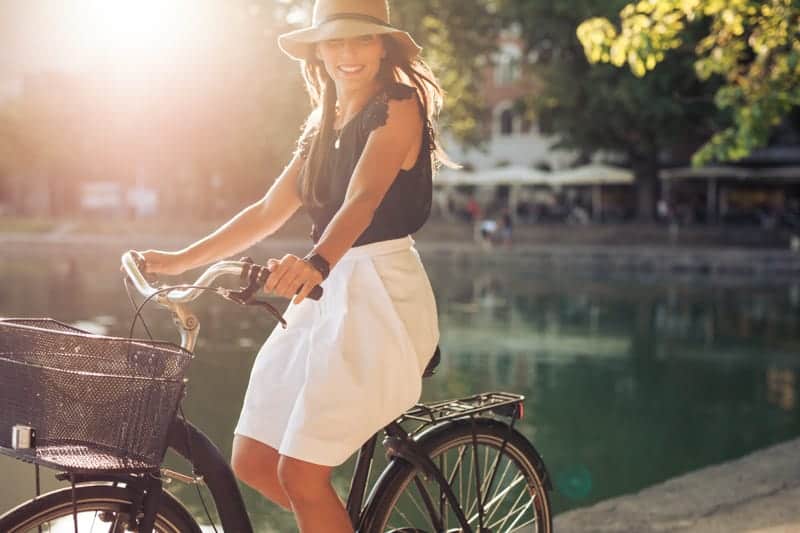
[380,162]
[253,223]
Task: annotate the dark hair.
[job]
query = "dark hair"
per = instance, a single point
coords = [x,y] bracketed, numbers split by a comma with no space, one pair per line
[318,129]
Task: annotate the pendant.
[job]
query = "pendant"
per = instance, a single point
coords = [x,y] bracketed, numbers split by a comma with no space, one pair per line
[336,143]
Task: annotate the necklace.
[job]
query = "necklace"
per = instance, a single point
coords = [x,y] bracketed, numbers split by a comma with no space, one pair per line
[338,139]
[338,132]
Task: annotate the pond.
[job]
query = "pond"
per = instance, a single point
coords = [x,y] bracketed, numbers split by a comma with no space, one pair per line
[629,380]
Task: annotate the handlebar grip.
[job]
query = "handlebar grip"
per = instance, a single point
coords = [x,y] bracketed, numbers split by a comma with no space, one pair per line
[263,275]
[141,264]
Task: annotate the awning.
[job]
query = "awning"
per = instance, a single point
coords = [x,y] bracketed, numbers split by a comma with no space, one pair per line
[788,173]
[593,174]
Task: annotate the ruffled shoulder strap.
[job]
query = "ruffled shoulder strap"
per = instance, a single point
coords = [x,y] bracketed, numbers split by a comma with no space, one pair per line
[377,111]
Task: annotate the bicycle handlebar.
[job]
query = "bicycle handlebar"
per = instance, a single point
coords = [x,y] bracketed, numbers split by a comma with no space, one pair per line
[132,263]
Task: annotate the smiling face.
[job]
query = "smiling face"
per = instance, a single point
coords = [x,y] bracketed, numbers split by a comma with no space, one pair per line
[353,60]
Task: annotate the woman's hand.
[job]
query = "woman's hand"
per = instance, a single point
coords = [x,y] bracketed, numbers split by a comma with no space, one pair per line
[159,262]
[289,274]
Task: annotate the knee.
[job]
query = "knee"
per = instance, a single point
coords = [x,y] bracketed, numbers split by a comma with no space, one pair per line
[303,483]
[251,462]
[242,465]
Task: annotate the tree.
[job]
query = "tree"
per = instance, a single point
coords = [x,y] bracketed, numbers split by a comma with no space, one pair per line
[753,45]
[457,38]
[226,115]
[595,107]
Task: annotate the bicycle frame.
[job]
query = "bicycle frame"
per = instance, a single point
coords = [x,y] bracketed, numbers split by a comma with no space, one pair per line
[207,460]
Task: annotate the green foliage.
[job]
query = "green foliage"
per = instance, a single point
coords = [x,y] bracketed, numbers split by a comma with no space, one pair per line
[457,38]
[752,45]
[595,107]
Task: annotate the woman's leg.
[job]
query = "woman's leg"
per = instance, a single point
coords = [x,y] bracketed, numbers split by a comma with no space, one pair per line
[314,502]
[256,465]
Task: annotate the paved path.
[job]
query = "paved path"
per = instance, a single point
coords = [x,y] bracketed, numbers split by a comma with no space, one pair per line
[757,493]
[648,260]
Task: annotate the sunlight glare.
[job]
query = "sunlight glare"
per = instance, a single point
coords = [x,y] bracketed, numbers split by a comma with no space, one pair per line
[139,34]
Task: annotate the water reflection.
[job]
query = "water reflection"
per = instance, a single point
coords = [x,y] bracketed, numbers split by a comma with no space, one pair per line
[628,380]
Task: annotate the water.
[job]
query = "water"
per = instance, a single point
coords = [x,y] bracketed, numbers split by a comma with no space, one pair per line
[629,381]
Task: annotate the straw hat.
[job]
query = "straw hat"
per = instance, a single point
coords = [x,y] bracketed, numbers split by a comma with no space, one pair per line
[336,19]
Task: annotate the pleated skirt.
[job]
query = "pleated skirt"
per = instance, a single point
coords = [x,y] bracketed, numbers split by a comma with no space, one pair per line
[347,364]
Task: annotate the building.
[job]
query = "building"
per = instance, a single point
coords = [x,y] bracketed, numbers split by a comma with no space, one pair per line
[520,170]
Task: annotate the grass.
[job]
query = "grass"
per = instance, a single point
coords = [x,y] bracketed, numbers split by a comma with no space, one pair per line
[14,224]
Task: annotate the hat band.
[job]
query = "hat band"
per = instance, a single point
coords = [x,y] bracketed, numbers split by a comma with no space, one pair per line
[356,16]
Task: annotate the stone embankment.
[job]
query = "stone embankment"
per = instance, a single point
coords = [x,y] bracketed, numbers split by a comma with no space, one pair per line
[757,493]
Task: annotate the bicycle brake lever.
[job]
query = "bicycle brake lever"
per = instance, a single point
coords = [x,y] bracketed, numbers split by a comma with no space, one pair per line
[256,276]
[270,308]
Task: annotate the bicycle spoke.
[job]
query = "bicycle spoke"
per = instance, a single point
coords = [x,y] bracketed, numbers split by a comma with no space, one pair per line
[408,523]
[426,499]
[482,494]
[461,451]
[503,492]
[490,478]
[509,464]
[505,519]
[442,495]
[521,514]
[498,498]
[478,495]
[484,486]
[469,478]
[499,486]
[417,505]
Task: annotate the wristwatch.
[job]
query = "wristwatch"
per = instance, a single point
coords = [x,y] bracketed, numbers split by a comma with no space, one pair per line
[319,263]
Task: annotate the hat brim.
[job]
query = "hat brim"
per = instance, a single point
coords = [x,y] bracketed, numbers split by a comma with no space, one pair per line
[299,44]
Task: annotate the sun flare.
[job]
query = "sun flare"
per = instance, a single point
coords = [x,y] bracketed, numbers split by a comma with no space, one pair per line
[129,34]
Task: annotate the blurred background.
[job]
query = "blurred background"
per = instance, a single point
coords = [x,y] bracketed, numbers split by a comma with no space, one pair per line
[684,115]
[622,244]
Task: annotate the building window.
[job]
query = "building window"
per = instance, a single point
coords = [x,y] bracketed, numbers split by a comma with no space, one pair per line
[507,65]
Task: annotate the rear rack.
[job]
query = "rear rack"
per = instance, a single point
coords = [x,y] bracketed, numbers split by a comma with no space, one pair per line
[499,403]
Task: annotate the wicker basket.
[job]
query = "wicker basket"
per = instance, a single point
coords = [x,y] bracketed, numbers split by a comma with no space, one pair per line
[96,403]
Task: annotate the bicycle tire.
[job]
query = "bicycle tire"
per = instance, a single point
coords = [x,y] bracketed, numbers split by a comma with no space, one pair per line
[401,479]
[104,507]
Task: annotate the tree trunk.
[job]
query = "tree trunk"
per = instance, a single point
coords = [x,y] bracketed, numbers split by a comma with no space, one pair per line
[646,173]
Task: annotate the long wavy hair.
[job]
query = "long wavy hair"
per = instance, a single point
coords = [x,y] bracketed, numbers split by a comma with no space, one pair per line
[318,129]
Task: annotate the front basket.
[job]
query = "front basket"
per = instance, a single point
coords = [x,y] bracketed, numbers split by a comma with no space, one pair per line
[94,403]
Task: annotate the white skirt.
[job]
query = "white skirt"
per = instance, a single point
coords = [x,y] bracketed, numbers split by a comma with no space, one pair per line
[347,364]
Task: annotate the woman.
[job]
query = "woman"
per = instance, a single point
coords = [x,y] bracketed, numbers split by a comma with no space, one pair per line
[351,362]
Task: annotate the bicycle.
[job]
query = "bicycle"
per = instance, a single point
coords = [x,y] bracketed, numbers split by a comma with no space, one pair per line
[453,465]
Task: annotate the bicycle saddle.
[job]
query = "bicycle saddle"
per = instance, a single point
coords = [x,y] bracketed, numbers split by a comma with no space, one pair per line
[430,368]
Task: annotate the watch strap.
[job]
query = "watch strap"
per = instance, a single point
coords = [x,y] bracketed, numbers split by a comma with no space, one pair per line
[319,263]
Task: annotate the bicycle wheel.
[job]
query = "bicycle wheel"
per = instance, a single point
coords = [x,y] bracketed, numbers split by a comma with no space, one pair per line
[510,478]
[101,508]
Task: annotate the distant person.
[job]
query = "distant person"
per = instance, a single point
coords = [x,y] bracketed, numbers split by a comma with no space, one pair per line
[473,210]
[487,232]
[506,226]
[363,170]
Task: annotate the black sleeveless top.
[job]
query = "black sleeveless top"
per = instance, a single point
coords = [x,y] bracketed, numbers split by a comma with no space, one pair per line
[407,203]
